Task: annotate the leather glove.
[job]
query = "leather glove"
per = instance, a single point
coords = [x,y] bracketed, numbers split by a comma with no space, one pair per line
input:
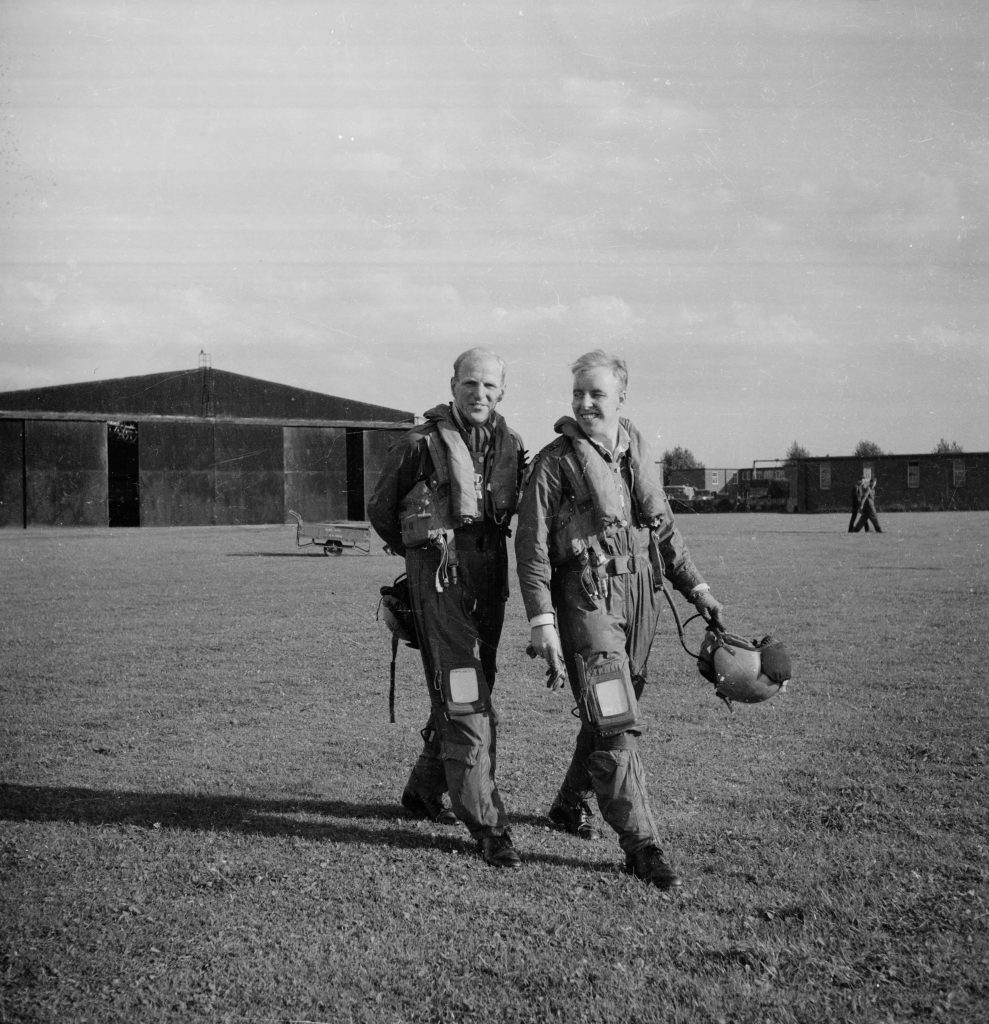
[710,607]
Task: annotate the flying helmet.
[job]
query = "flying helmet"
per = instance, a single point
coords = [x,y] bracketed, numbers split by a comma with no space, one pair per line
[749,671]
[395,608]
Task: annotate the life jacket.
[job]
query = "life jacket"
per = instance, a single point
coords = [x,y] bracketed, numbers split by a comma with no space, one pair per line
[463,487]
[587,535]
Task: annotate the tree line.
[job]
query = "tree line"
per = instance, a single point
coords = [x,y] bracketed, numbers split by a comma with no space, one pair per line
[683,458]
[870,450]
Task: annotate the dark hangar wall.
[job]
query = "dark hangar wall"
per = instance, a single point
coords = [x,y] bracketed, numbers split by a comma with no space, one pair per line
[65,473]
[210,447]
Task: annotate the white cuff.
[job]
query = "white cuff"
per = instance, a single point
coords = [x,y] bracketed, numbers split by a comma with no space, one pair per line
[546,619]
[698,590]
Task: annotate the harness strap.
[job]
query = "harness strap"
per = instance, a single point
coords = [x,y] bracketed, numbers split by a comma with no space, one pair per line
[391,686]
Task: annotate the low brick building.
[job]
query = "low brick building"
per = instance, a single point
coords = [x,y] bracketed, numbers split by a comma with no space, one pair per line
[916,483]
[905,483]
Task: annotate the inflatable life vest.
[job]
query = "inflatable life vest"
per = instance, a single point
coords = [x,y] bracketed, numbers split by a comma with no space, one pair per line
[597,497]
[488,487]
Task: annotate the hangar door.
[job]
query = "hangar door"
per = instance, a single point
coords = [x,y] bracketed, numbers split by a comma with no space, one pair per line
[12,473]
[65,473]
[316,472]
[377,444]
[249,485]
[176,473]
[208,474]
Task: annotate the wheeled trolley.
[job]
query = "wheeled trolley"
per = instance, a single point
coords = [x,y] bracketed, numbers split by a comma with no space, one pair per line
[332,537]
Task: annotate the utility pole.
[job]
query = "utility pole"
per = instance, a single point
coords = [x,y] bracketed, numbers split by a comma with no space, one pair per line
[206,384]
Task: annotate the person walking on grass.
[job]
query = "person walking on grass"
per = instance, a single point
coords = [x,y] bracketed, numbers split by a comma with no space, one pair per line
[444,500]
[856,508]
[865,491]
[594,539]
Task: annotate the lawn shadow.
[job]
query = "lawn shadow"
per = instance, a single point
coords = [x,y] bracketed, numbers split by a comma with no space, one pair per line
[279,554]
[315,820]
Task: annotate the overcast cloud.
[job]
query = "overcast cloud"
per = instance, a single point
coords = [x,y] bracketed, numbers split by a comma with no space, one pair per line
[775,210]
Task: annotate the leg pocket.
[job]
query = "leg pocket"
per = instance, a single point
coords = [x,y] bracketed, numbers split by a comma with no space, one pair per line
[464,738]
[465,748]
[462,753]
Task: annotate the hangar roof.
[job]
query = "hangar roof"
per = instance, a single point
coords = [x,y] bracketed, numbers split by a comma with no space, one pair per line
[199,392]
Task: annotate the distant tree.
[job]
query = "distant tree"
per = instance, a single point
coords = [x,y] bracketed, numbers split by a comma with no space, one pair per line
[867,450]
[796,451]
[948,448]
[679,458]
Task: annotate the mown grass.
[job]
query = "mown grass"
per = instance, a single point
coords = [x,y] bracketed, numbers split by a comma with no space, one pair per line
[199,815]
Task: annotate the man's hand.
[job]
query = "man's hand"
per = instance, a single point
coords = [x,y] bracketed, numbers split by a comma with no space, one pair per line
[710,607]
[544,642]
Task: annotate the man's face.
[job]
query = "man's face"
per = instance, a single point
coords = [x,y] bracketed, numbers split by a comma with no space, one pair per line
[596,403]
[478,389]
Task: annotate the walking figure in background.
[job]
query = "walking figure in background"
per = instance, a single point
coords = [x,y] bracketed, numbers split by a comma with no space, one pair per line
[856,507]
[444,500]
[865,492]
[595,538]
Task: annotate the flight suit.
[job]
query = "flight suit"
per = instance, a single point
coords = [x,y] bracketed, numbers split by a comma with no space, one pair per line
[605,615]
[458,586]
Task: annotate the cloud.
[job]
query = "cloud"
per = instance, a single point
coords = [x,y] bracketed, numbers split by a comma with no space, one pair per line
[769,329]
[951,343]
[760,199]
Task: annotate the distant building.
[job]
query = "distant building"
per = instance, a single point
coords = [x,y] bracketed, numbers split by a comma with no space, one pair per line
[194,447]
[906,483]
[720,484]
[703,479]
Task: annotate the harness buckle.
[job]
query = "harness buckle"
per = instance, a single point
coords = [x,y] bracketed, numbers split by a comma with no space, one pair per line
[621,565]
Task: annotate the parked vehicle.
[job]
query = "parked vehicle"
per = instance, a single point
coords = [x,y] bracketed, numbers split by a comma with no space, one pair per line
[681,497]
[704,501]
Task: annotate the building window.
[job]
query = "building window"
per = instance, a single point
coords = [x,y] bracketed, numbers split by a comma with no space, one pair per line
[958,472]
[913,474]
[825,476]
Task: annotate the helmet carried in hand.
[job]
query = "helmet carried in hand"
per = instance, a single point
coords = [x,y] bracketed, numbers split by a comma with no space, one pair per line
[749,671]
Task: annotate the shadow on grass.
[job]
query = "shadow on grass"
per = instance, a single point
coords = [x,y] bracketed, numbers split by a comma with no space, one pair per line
[316,553]
[315,820]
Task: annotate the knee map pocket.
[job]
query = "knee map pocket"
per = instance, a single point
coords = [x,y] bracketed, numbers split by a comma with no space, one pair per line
[607,696]
[465,691]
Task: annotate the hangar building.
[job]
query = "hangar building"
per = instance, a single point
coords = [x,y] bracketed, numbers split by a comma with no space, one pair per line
[194,447]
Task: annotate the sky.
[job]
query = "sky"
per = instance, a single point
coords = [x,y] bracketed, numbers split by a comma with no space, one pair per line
[774,210]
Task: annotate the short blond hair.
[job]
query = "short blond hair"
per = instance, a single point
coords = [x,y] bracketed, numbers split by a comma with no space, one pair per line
[599,357]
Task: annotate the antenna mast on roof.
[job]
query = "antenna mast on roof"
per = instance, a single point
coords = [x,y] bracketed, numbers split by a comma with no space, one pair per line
[206,392]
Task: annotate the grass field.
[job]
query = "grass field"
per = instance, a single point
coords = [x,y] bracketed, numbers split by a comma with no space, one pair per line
[199,814]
